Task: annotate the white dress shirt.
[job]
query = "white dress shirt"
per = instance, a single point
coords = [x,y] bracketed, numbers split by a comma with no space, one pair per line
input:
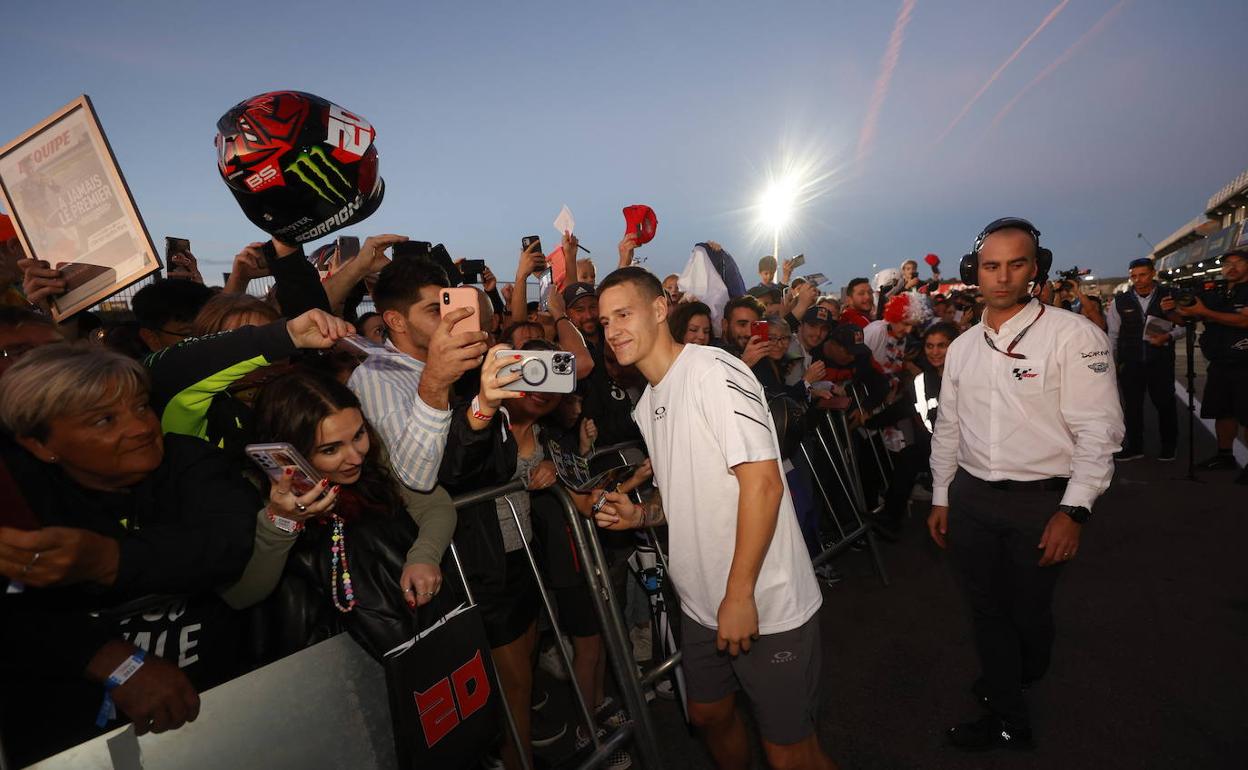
[1054,413]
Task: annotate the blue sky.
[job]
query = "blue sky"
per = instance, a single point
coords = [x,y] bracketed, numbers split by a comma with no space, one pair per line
[490,116]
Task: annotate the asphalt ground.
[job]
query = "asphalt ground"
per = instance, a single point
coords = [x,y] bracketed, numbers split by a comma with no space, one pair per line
[1149,668]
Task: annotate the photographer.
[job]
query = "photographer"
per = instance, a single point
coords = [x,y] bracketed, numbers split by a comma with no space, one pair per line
[1068,294]
[1145,361]
[1225,343]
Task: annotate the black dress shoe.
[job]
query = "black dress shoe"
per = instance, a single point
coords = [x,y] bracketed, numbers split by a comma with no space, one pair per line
[989,732]
[1219,462]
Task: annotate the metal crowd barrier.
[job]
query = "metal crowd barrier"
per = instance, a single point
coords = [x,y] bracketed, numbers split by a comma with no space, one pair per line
[833,440]
[248,721]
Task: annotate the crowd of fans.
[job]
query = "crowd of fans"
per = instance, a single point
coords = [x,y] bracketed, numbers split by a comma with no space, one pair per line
[123,453]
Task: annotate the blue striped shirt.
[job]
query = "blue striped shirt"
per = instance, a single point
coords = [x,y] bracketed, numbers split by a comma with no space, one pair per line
[414,433]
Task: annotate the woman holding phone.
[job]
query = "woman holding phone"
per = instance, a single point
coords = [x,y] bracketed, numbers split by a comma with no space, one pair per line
[359,551]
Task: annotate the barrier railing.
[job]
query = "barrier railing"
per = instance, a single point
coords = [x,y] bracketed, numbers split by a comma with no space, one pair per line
[252,713]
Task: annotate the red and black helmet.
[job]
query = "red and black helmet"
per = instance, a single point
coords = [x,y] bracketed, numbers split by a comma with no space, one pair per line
[301,167]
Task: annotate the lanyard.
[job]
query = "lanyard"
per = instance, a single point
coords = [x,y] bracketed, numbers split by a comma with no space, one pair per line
[1010,350]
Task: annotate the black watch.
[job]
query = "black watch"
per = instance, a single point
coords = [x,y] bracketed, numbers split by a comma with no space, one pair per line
[1077,513]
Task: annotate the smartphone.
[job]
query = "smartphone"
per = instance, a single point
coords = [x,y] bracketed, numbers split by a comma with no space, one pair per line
[359,346]
[175,246]
[541,371]
[761,330]
[798,261]
[528,241]
[456,298]
[471,269]
[348,248]
[275,458]
[410,249]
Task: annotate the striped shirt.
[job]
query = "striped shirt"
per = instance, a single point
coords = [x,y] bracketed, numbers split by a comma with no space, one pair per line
[413,432]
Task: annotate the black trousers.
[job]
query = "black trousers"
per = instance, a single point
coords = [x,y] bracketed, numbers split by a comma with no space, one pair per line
[1156,378]
[992,539]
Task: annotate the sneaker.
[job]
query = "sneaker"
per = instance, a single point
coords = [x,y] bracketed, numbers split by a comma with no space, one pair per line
[1127,455]
[619,759]
[550,662]
[1167,454]
[1220,462]
[643,648]
[543,733]
[610,715]
[539,699]
[828,574]
[989,732]
[665,690]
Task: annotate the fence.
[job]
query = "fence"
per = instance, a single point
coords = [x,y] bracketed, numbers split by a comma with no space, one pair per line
[247,722]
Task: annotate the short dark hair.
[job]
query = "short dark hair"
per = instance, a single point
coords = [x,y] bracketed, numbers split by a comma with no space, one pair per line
[849,287]
[645,281]
[942,327]
[175,299]
[511,330]
[1238,253]
[399,284]
[679,320]
[745,301]
[1141,262]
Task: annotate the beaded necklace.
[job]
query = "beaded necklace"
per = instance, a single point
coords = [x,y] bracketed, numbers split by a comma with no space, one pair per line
[338,550]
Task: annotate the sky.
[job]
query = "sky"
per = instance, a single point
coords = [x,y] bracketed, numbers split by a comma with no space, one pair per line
[491,116]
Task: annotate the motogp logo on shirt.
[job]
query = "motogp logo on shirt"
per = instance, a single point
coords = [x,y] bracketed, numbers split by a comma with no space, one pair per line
[1025,374]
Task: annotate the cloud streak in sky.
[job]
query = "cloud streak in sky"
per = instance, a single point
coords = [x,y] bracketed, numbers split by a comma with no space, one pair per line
[866,137]
[997,73]
[1074,48]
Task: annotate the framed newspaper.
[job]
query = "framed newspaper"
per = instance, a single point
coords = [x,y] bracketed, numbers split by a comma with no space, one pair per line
[71,207]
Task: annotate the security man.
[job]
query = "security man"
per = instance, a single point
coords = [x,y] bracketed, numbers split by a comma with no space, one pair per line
[1145,359]
[1028,423]
[1225,344]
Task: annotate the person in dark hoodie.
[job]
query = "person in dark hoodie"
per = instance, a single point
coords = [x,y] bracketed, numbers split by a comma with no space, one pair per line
[115,512]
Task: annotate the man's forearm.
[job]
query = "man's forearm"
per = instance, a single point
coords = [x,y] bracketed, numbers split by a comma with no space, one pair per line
[758,510]
[1236,320]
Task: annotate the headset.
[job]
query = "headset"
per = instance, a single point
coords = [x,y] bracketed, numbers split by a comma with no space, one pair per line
[968,268]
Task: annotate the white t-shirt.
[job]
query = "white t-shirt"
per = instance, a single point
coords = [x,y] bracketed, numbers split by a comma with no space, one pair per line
[888,351]
[707,415]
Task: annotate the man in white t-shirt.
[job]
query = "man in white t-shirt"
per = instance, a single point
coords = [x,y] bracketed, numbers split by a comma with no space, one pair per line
[737,557]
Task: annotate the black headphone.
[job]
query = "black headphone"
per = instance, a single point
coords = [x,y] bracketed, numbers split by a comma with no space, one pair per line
[968,268]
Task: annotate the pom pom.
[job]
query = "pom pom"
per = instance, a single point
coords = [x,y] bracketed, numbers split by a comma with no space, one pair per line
[932,260]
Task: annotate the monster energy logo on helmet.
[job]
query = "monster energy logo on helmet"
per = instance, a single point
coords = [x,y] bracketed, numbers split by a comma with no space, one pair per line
[310,168]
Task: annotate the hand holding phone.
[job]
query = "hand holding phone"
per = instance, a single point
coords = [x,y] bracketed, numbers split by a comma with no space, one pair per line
[458,298]
[541,371]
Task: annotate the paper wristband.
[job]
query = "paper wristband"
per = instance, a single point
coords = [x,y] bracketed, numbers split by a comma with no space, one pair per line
[128,668]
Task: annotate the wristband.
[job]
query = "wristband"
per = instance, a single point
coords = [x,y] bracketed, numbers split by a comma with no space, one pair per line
[128,668]
[475,410]
[289,526]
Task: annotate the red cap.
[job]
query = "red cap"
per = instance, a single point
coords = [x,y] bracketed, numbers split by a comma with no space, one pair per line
[641,221]
[932,260]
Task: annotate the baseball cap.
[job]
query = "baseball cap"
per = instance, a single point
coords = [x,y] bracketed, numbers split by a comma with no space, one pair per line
[641,220]
[1141,262]
[576,292]
[845,335]
[818,315]
[764,292]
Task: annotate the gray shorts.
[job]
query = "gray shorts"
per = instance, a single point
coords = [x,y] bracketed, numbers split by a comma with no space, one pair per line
[780,676]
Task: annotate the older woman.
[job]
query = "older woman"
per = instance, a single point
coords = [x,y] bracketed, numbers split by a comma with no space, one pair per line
[115,511]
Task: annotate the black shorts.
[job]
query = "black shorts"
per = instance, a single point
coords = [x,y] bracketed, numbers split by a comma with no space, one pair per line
[513,606]
[1226,392]
[576,611]
[780,676]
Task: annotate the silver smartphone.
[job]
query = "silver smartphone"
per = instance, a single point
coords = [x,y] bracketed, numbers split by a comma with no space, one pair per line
[541,371]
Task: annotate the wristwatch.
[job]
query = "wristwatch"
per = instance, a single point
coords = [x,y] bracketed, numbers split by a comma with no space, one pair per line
[1077,513]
